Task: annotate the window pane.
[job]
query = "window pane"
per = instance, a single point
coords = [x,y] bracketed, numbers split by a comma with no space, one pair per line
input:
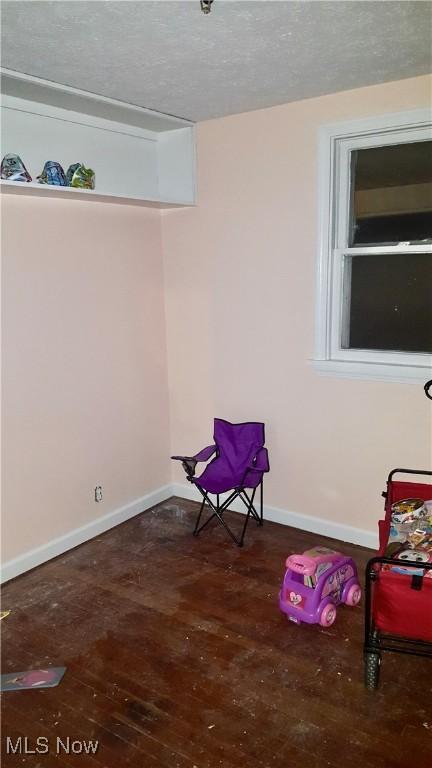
[390,306]
[391,199]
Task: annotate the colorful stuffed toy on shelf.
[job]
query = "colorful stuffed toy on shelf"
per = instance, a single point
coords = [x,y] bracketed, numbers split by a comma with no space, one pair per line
[53,174]
[13,169]
[80,177]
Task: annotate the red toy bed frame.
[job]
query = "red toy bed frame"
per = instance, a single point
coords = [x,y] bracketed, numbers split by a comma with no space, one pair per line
[398,611]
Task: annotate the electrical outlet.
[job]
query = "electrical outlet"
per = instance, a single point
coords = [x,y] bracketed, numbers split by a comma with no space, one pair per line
[98,493]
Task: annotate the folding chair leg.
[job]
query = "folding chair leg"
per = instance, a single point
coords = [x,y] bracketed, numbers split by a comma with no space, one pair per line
[248,514]
[218,510]
[229,531]
[248,502]
[217,513]
[205,498]
[261,503]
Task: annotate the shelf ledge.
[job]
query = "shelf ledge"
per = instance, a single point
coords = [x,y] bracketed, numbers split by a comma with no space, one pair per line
[49,190]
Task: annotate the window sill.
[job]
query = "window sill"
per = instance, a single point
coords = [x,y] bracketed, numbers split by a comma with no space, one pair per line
[400,374]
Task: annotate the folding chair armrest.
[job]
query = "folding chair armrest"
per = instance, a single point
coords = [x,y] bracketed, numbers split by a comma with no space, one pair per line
[205,454]
[201,456]
[189,462]
[260,462]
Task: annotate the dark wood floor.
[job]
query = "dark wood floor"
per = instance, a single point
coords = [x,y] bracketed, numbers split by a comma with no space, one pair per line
[178,656]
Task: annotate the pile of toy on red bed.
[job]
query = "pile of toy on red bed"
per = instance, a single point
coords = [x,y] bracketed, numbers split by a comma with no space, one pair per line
[410,535]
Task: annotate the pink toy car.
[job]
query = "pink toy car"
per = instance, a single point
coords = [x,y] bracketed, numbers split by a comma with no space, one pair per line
[315,583]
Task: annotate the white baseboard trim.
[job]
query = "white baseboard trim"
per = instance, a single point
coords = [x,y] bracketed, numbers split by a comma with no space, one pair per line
[57,546]
[304,522]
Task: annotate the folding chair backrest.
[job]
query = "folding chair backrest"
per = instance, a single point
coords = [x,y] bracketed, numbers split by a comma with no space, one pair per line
[237,444]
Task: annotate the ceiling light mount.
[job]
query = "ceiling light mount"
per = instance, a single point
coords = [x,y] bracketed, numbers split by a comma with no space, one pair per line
[206,5]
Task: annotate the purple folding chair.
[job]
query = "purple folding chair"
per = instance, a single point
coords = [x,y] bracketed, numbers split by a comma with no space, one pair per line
[239,464]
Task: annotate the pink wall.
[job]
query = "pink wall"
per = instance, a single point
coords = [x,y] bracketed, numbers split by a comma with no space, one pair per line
[240,283]
[84,364]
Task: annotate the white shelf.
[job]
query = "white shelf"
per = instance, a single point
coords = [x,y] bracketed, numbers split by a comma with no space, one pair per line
[140,157]
[49,190]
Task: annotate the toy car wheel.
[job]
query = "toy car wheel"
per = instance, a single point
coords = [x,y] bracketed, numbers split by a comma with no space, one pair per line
[354,595]
[372,670]
[294,619]
[328,615]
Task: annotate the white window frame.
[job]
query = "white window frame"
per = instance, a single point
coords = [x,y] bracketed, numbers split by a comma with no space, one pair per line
[335,145]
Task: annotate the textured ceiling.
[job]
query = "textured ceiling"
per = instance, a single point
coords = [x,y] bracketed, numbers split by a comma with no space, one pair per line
[244,55]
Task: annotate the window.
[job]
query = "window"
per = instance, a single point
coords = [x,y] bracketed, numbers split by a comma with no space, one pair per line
[374,315]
